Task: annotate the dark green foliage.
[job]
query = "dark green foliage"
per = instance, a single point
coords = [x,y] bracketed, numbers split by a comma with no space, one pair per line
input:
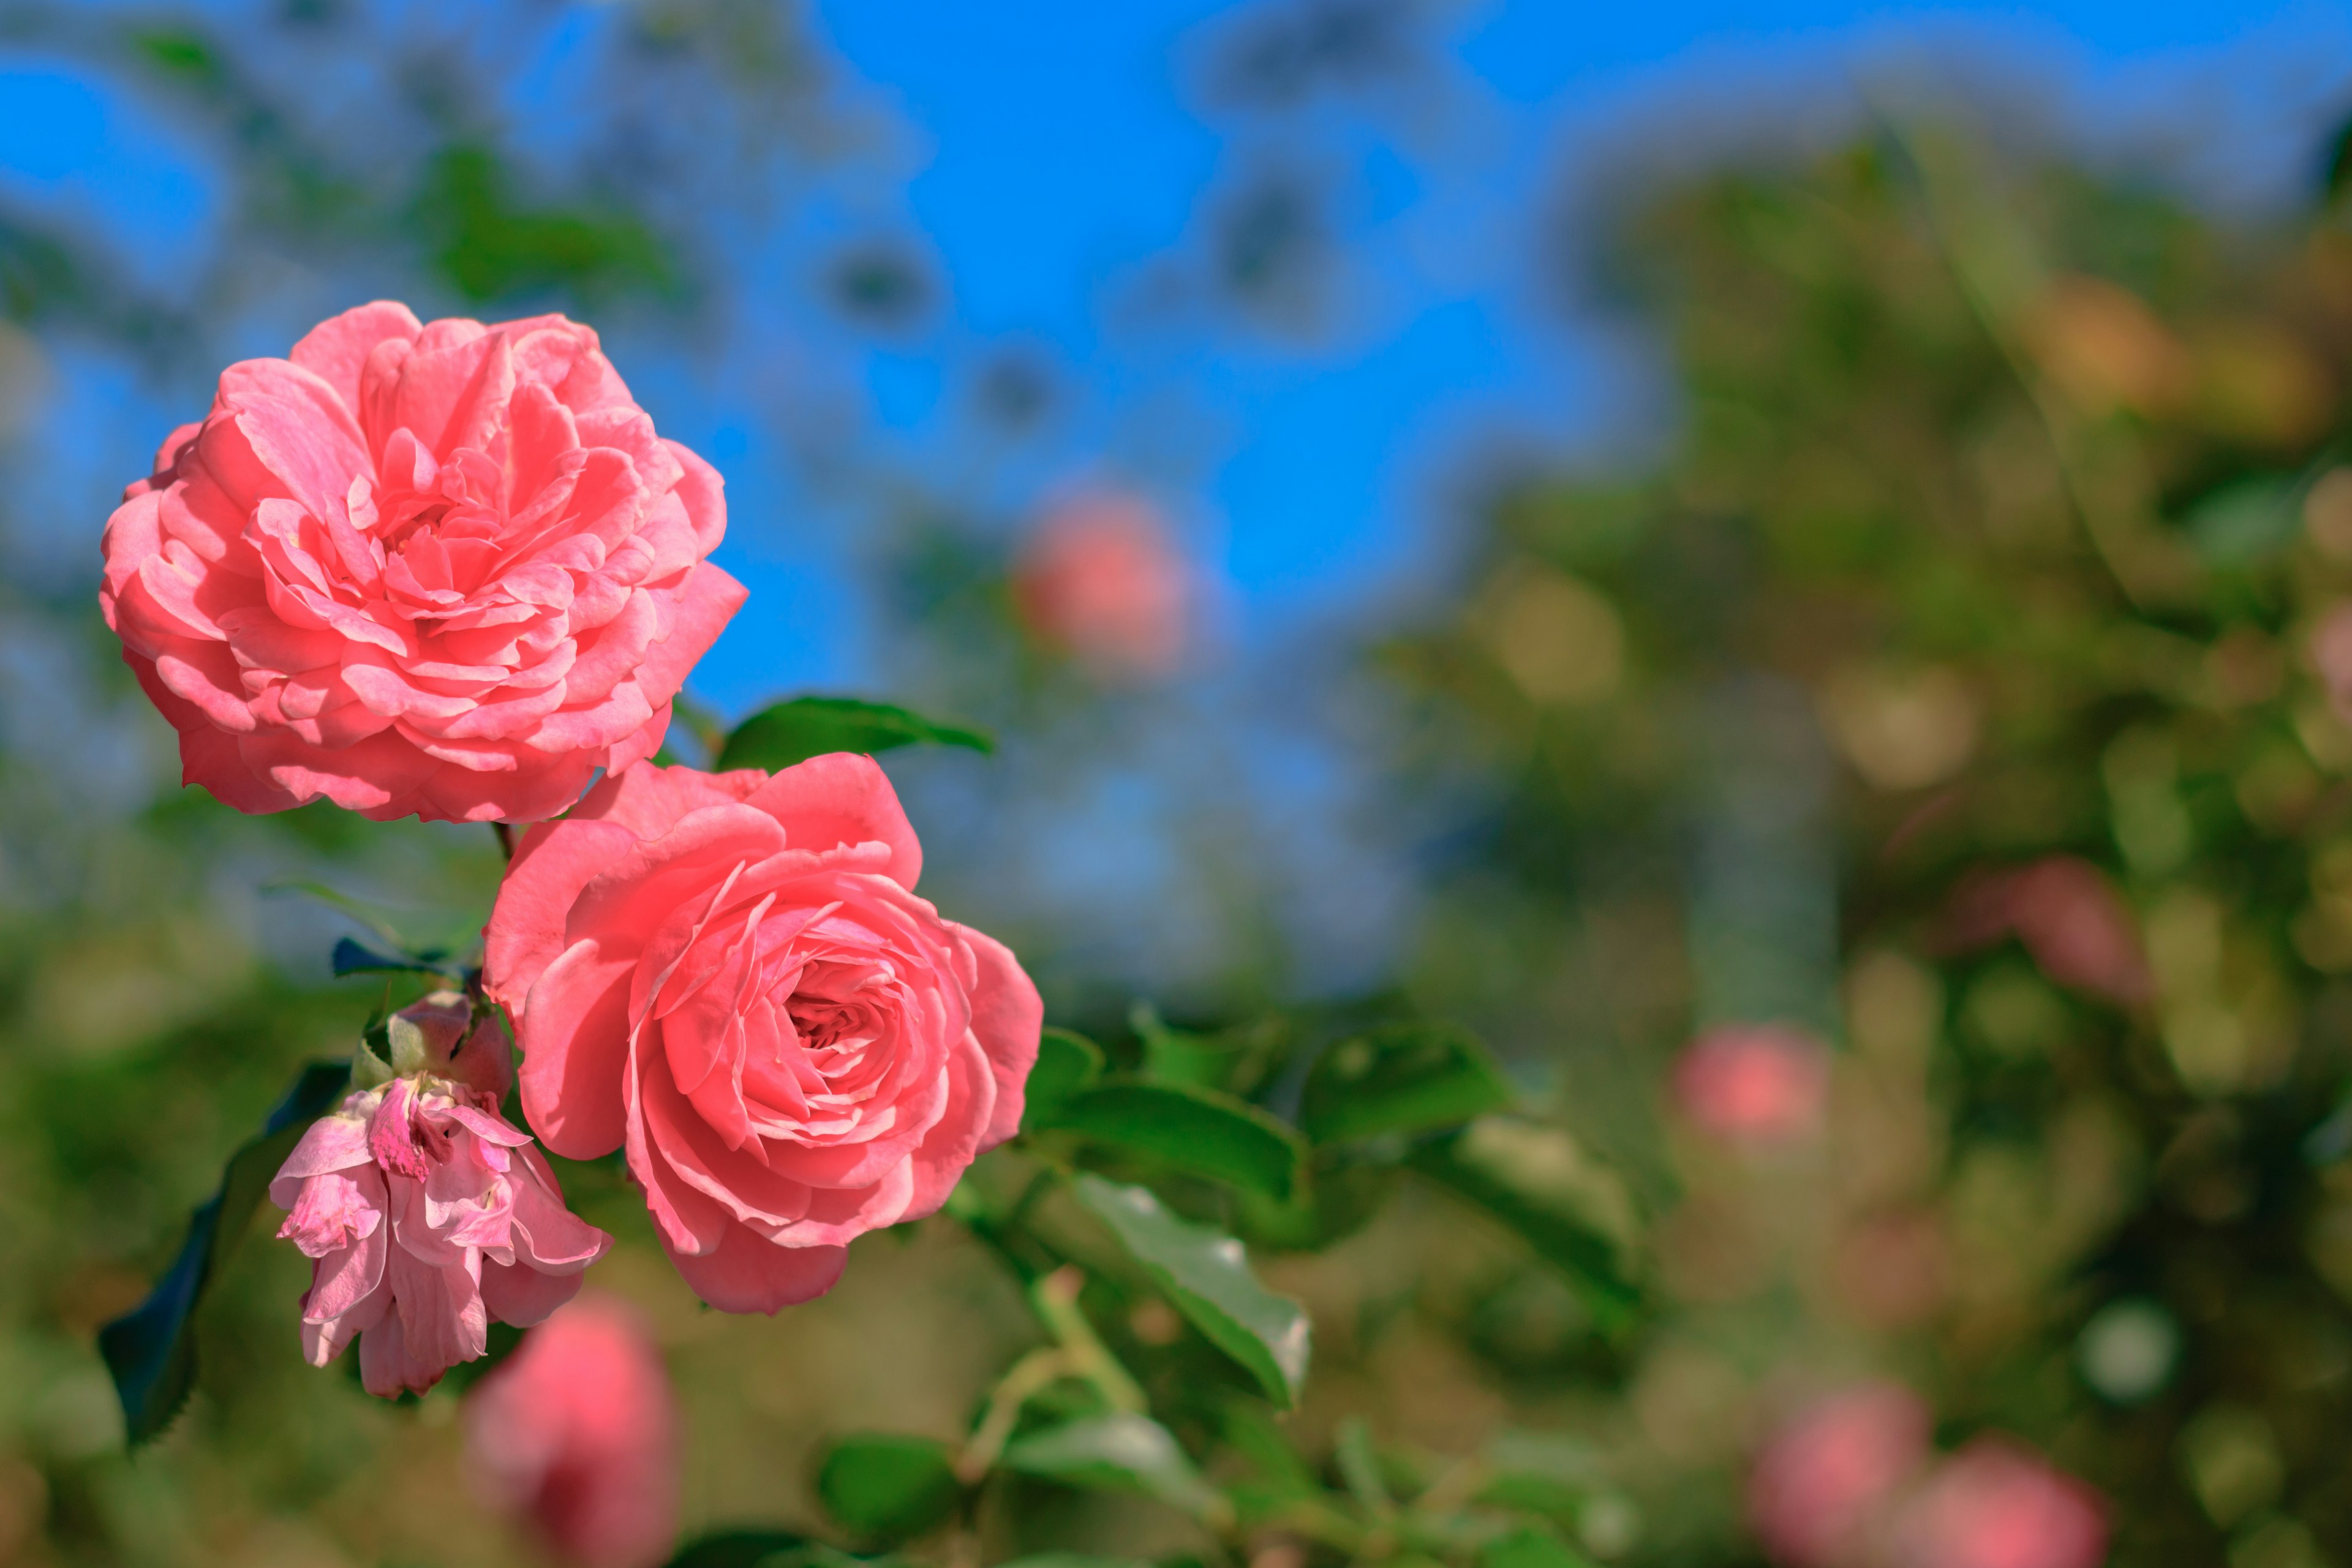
[1406,1077]
[885,1488]
[775,737]
[152,1352]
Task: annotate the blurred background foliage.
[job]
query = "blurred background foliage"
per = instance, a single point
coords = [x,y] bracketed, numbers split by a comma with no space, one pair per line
[1939,681]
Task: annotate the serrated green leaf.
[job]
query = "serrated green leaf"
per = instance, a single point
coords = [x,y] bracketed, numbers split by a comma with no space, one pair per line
[1119,1452]
[1188,1128]
[886,1488]
[1207,1278]
[1536,1181]
[151,1349]
[1066,1063]
[776,737]
[1406,1077]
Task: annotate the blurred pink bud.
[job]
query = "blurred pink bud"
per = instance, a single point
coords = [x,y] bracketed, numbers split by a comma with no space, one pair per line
[1826,1476]
[1101,579]
[1760,1084]
[1994,1505]
[578,1432]
[2070,920]
[428,1214]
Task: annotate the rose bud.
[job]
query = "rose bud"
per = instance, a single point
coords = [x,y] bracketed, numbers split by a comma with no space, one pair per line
[729,977]
[445,571]
[1100,579]
[2070,920]
[1762,1085]
[577,1432]
[427,1213]
[1824,1480]
[1994,1505]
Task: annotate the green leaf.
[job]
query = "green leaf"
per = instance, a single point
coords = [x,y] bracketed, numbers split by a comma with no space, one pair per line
[886,1488]
[151,1349]
[352,958]
[1066,1063]
[1120,1452]
[742,1548]
[1206,1276]
[777,737]
[1532,1547]
[1189,1127]
[1073,1560]
[1407,1077]
[2246,520]
[1538,1182]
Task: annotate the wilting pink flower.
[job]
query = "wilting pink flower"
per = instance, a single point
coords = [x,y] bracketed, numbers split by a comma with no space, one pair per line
[445,570]
[577,1431]
[2070,920]
[1826,1478]
[730,976]
[1994,1505]
[1757,1084]
[428,1214]
[1101,579]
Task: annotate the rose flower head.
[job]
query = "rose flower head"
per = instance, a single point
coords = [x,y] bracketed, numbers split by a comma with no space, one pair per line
[1826,1477]
[1760,1085]
[1100,579]
[440,569]
[578,1433]
[729,977]
[1996,1505]
[426,1212]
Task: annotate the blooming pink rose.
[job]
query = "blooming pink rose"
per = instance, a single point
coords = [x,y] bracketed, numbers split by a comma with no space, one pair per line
[1758,1084]
[577,1431]
[730,976]
[2070,920]
[1825,1477]
[1101,579]
[428,1214]
[445,570]
[1993,1505]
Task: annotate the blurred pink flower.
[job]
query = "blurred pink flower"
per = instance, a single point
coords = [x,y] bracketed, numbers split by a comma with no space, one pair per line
[1758,1084]
[439,570]
[2071,920]
[1826,1477]
[2331,655]
[427,1215]
[1995,1505]
[1101,579]
[577,1431]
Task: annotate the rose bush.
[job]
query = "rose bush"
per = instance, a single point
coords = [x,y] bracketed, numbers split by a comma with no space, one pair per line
[730,977]
[428,1214]
[444,570]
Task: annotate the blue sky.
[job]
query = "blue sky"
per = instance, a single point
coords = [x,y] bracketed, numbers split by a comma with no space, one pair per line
[1054,161]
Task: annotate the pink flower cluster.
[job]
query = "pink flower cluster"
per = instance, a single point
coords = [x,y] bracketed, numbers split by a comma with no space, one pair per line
[445,571]
[1850,1481]
[428,1214]
[448,570]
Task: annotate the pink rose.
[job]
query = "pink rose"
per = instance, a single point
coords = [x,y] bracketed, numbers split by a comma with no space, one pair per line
[1101,579]
[1993,1505]
[577,1432]
[446,571]
[2070,920]
[730,976]
[428,1214]
[1757,1084]
[1825,1477]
